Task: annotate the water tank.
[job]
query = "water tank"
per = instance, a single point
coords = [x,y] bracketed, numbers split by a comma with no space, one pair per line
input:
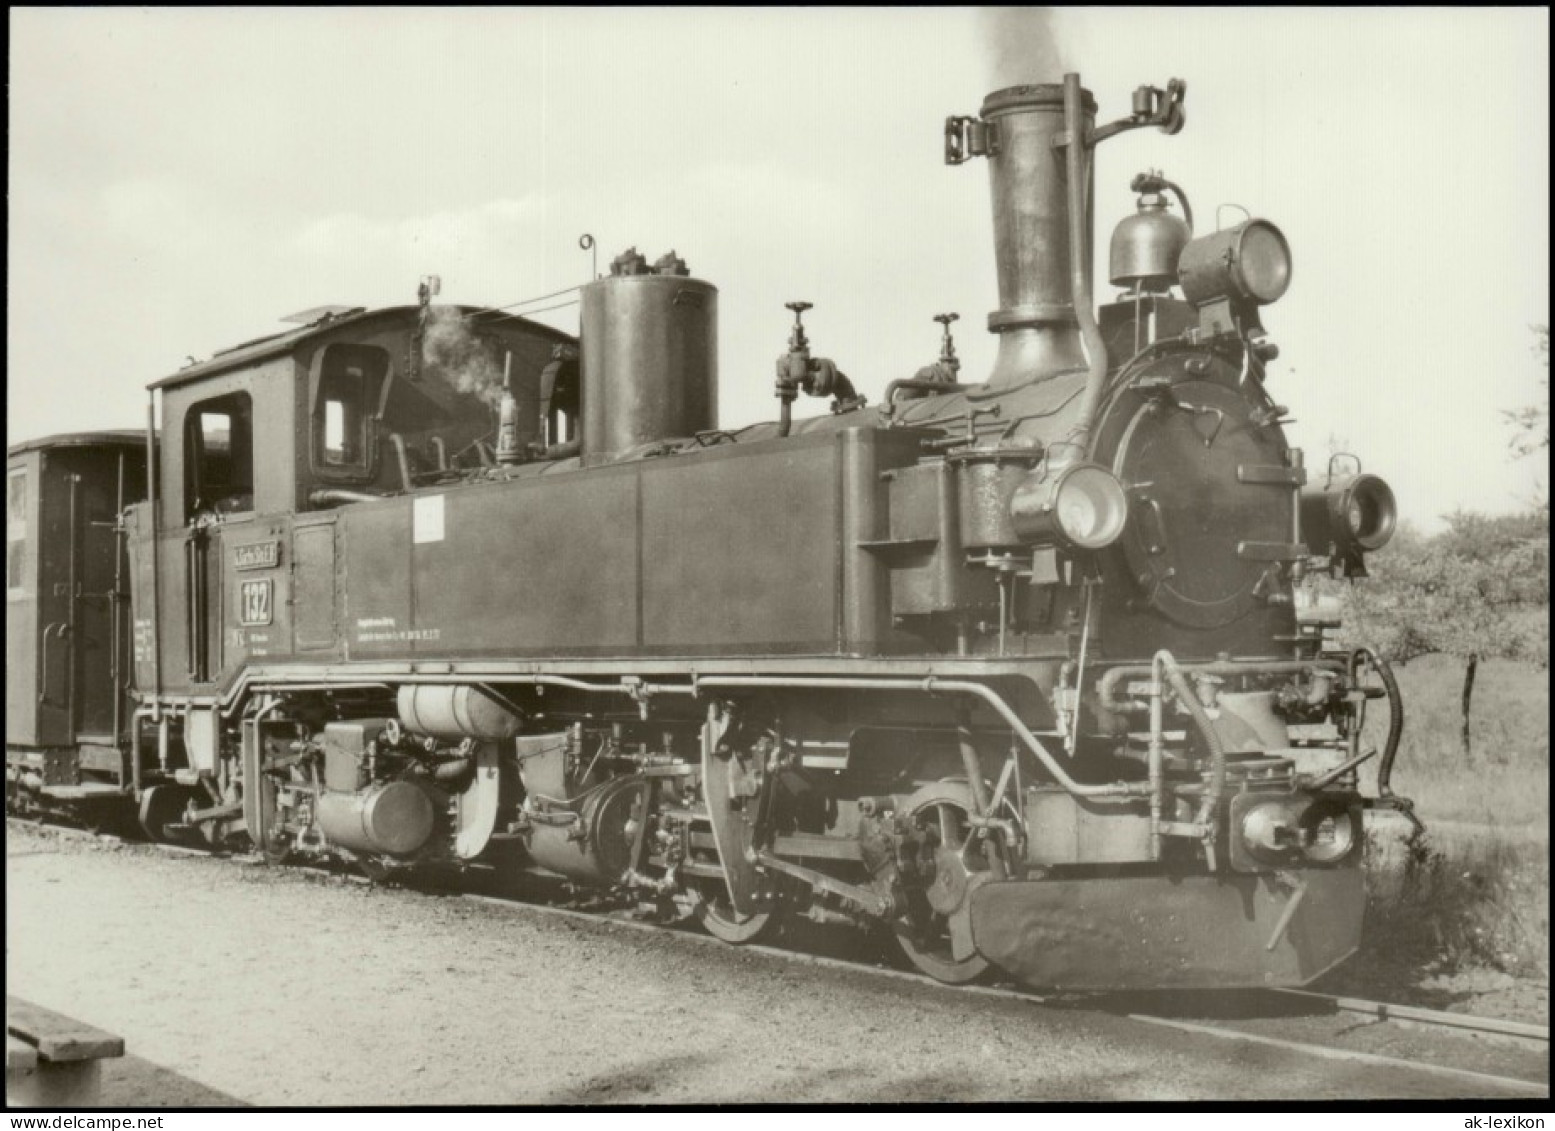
[650,356]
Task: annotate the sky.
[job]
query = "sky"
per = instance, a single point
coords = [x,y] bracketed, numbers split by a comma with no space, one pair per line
[182,179]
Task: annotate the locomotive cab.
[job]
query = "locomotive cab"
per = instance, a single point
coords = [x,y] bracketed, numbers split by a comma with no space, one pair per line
[354,407]
[233,559]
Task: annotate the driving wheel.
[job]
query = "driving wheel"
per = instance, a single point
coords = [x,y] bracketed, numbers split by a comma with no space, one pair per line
[950,863]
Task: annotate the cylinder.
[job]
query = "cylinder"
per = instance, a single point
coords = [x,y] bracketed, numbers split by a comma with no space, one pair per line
[393,818]
[1038,334]
[650,361]
[597,847]
[455,712]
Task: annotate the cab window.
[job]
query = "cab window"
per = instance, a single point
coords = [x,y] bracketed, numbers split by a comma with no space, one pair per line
[219,456]
[16,531]
[350,378]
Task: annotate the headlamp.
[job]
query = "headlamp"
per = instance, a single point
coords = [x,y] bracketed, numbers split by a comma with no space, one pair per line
[1249,264]
[1348,517]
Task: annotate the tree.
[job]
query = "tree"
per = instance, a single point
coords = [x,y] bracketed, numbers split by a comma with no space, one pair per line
[1478,590]
[1531,423]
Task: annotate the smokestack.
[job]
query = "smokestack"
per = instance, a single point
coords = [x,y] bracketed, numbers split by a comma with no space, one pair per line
[1036,321]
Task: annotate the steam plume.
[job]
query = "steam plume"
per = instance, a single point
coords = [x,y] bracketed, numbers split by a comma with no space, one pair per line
[460,357]
[1025,46]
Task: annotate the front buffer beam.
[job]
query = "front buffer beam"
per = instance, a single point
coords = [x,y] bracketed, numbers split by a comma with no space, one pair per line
[1171,932]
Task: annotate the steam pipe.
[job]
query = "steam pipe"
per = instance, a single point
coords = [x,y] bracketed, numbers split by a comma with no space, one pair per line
[1165,664]
[934,686]
[329,496]
[1080,263]
[971,762]
[1106,689]
[403,456]
[1395,716]
[564,450]
[1182,199]
[930,685]
[1157,761]
[840,388]
[918,384]
[1156,182]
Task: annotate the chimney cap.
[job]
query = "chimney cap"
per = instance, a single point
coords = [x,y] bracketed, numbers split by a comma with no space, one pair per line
[1035,97]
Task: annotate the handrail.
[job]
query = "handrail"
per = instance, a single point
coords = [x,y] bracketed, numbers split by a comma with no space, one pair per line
[72,600]
[116,612]
[153,479]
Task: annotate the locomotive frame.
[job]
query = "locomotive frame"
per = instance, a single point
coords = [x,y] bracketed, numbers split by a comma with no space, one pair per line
[1010,668]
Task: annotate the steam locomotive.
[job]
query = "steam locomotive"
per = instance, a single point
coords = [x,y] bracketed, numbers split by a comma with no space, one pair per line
[1011,669]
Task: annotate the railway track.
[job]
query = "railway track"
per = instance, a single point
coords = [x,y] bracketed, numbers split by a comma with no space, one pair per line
[1252,1006]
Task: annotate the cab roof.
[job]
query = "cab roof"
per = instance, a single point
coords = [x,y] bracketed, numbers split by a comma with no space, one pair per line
[274,345]
[118,438]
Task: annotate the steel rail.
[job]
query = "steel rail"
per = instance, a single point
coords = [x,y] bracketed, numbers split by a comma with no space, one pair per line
[1386,1011]
[1383,1011]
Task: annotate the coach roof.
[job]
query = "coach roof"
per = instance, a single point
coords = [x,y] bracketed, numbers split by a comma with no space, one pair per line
[110,439]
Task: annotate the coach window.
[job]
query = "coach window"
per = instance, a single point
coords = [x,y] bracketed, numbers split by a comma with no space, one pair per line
[350,378]
[219,455]
[16,532]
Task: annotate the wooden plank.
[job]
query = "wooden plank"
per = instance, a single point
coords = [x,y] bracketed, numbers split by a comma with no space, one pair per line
[19,1056]
[57,1037]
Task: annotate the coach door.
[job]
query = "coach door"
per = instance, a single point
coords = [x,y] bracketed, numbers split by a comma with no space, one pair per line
[83,641]
[97,678]
[77,610]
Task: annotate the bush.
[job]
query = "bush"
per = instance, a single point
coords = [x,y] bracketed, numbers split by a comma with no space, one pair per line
[1451,903]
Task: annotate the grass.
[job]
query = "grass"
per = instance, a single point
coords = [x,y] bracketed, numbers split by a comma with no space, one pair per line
[1506,778]
[1456,902]
[1473,894]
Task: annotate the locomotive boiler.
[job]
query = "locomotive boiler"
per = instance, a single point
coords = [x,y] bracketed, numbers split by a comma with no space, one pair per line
[1010,667]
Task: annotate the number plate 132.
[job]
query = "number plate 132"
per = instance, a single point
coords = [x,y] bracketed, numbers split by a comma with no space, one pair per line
[254,602]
